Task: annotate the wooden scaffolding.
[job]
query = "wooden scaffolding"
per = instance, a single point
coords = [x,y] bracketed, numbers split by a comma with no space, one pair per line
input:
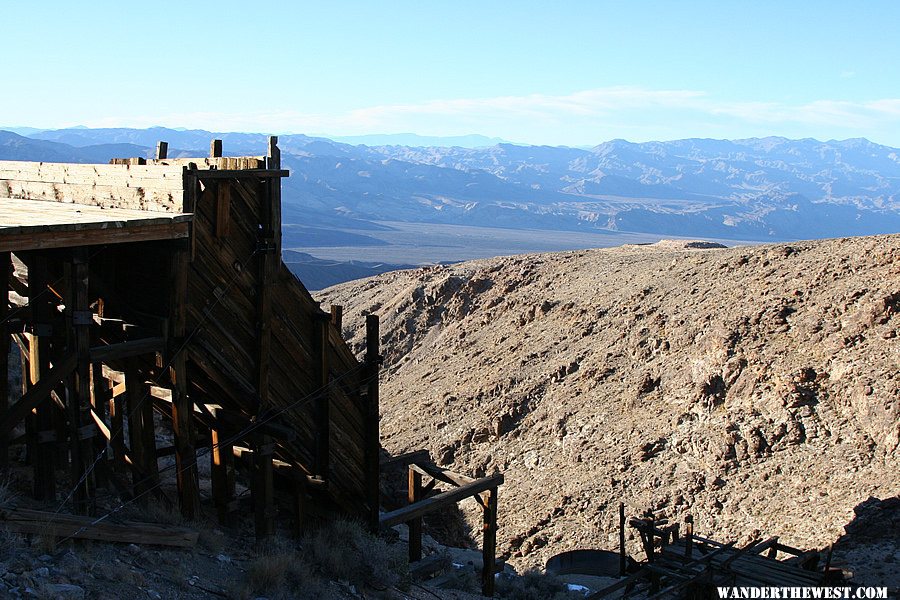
[154,289]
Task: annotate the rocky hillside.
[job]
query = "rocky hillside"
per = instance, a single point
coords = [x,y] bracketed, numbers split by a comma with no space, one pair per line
[755,387]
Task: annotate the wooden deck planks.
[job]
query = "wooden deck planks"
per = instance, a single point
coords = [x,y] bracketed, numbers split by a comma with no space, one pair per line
[33,224]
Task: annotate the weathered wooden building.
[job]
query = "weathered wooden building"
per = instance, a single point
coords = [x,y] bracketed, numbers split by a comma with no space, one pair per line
[148,289]
[160,285]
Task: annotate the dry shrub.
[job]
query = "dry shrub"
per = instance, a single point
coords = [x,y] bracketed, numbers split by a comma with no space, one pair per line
[344,550]
[534,585]
[339,551]
[465,580]
[281,572]
[162,513]
[211,540]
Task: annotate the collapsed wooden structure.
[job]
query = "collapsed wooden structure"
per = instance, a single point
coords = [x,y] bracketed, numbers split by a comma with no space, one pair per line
[685,565]
[149,290]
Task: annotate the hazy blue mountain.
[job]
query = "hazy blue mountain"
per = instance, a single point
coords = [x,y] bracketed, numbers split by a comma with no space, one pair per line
[412,139]
[16,147]
[196,141]
[317,273]
[21,130]
[756,189]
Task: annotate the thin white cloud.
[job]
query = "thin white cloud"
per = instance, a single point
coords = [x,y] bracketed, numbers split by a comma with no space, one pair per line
[843,114]
[568,118]
[584,103]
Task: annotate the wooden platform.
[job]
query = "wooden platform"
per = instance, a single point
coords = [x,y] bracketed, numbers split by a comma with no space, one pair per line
[41,224]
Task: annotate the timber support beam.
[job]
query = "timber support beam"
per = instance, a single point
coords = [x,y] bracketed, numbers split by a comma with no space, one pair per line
[40,424]
[269,249]
[6,275]
[372,442]
[186,472]
[81,426]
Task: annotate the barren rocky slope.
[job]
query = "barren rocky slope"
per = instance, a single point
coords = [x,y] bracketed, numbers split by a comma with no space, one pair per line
[755,387]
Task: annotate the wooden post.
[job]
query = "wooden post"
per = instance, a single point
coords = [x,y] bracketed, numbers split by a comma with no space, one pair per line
[273,161]
[215,149]
[414,494]
[162,150]
[116,421]
[622,557]
[100,405]
[81,426]
[372,433]
[185,452]
[222,473]
[773,551]
[688,536]
[31,437]
[269,248]
[337,316]
[144,470]
[6,273]
[827,575]
[187,476]
[489,542]
[263,487]
[323,404]
[186,473]
[648,539]
[38,366]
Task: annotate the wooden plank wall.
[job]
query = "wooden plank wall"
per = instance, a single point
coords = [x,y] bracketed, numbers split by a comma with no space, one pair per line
[220,162]
[153,188]
[223,284]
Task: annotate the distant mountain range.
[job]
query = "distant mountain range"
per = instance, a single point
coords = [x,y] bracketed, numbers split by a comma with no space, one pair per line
[412,139]
[755,189]
[318,274]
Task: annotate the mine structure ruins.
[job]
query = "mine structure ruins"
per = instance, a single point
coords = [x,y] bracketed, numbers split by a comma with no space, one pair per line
[149,295]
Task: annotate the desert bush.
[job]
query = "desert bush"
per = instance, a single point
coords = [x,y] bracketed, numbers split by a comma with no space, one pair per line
[211,540]
[336,554]
[466,580]
[344,550]
[281,572]
[160,512]
[534,585]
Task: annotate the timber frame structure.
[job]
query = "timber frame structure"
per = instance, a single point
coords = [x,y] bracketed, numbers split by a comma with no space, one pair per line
[156,286]
[151,290]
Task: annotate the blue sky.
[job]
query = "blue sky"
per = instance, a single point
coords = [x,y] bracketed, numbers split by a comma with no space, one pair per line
[573,73]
